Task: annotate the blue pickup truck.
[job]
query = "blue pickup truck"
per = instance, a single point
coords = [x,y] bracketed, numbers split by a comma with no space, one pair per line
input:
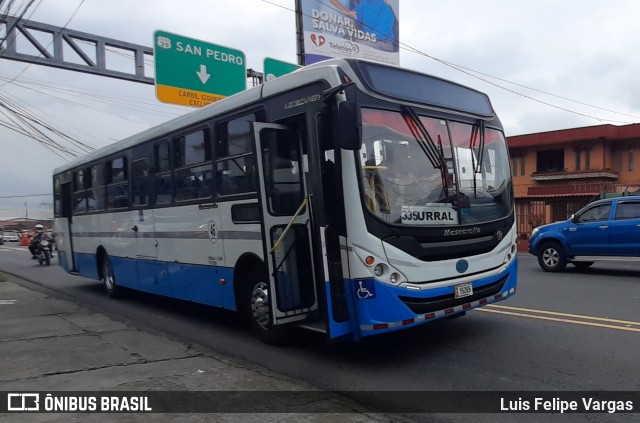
[605,230]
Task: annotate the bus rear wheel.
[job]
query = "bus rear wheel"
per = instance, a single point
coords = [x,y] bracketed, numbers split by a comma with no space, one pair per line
[109,280]
[259,313]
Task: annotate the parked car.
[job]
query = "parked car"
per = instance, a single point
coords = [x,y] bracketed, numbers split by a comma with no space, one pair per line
[9,236]
[605,230]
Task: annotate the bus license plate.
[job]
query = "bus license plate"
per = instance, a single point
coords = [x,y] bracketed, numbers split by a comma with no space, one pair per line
[463,290]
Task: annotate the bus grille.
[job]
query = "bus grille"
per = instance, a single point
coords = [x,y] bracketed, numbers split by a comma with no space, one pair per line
[427,305]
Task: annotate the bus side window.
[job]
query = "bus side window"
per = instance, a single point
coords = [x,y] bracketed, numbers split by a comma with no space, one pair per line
[162,156]
[163,176]
[235,159]
[88,193]
[164,189]
[283,171]
[94,181]
[193,177]
[118,185]
[57,198]
[139,182]
[79,199]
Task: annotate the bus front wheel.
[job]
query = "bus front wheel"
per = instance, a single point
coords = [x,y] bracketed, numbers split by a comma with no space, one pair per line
[259,313]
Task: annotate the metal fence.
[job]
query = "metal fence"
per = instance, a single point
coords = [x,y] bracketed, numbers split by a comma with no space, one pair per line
[533,213]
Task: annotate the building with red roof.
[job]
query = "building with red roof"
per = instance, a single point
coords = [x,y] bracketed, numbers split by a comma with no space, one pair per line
[556,173]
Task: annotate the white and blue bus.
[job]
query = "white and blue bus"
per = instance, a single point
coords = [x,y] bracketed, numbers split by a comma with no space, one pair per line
[349,197]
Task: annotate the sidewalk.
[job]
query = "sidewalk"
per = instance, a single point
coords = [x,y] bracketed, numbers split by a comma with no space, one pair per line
[48,344]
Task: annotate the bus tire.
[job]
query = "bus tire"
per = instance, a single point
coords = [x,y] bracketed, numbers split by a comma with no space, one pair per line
[259,312]
[109,279]
[552,257]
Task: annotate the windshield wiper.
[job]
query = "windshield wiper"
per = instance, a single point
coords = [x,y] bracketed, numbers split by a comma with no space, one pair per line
[421,135]
[477,130]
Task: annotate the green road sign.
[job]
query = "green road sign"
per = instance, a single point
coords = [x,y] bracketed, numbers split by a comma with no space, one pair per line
[274,68]
[194,73]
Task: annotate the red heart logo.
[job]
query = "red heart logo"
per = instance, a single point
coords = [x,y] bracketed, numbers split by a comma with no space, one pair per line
[317,40]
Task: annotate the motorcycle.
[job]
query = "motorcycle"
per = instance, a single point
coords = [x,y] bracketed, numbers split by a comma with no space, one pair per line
[42,250]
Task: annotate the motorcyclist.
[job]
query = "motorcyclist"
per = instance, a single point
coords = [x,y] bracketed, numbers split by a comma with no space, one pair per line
[35,240]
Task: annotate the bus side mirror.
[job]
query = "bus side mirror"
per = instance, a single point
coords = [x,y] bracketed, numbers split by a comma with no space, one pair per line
[348,126]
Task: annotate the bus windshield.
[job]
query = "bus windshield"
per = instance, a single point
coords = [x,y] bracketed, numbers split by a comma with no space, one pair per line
[418,170]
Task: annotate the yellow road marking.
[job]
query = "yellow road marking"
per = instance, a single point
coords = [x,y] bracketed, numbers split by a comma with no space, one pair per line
[555,313]
[577,322]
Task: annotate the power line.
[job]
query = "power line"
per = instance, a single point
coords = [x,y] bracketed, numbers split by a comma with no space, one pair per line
[94,108]
[145,107]
[117,100]
[75,128]
[22,121]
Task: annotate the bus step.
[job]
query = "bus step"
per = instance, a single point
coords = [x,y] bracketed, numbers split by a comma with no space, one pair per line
[319,326]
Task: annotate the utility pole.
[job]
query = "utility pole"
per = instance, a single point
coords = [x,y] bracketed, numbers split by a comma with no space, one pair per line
[299,33]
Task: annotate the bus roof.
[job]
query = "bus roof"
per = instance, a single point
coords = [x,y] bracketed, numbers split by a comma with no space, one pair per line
[322,71]
[326,70]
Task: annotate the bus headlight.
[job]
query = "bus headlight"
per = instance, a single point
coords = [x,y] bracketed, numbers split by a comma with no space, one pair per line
[511,254]
[378,267]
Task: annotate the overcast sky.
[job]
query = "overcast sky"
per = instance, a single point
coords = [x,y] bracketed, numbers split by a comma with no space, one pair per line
[555,50]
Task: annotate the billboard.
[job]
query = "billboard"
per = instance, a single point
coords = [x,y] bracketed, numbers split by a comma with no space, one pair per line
[365,29]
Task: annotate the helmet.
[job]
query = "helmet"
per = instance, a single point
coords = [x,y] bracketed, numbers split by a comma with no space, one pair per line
[39,228]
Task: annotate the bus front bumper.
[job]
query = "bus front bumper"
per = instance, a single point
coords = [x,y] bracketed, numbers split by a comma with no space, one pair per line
[381,308]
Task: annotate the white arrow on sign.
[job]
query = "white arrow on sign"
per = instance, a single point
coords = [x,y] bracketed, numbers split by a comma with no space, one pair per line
[203,75]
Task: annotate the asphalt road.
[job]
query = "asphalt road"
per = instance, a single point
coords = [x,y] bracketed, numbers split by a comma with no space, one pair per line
[574,331]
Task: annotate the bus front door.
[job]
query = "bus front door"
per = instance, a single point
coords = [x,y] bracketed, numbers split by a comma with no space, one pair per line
[286,225]
[64,238]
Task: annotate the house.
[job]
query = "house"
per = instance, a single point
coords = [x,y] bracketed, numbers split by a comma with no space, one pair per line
[556,173]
